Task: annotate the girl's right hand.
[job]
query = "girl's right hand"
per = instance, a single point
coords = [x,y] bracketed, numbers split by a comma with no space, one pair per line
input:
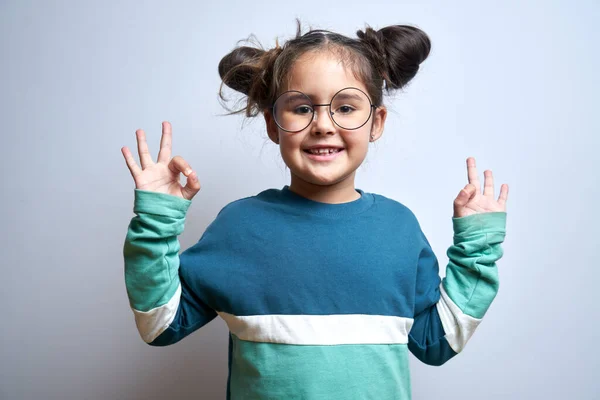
[162,176]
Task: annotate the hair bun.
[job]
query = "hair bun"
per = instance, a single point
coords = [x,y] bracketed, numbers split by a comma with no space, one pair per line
[236,69]
[397,50]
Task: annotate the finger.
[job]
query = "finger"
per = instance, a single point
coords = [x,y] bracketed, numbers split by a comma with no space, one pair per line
[472,174]
[164,154]
[145,158]
[488,185]
[503,195]
[464,197]
[179,165]
[131,164]
[192,186]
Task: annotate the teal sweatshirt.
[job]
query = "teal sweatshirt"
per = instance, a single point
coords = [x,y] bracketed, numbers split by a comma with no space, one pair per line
[322,301]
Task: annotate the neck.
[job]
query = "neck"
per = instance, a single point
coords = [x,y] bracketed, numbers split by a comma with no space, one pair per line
[341,192]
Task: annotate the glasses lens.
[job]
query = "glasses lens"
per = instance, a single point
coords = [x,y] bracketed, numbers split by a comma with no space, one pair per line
[351,108]
[293,111]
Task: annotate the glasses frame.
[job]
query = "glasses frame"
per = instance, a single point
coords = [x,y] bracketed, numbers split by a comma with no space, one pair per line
[272,108]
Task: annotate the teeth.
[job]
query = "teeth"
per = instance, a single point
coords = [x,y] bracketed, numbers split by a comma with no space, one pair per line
[323,151]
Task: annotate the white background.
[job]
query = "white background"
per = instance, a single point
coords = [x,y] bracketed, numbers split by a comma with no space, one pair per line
[513,84]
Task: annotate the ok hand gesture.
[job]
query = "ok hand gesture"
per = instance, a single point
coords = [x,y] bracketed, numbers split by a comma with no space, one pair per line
[162,176]
[470,200]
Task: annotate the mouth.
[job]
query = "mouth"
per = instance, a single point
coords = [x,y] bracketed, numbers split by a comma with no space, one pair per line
[323,153]
[323,150]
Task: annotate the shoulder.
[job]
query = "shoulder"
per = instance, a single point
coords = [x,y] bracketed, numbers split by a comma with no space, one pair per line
[401,220]
[248,208]
[394,208]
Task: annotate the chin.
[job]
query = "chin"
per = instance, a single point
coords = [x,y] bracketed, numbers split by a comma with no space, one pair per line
[324,180]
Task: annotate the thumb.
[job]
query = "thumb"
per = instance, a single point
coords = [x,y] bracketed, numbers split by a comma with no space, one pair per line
[192,186]
[465,195]
[178,165]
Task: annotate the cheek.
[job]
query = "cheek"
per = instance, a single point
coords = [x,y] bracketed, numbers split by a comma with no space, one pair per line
[289,147]
[288,143]
[358,141]
[360,151]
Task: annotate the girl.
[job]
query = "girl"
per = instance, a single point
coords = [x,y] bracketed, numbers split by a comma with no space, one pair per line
[325,288]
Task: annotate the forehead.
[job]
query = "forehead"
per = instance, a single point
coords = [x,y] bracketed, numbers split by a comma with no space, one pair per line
[322,74]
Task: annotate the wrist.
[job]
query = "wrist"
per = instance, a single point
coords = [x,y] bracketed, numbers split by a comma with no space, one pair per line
[479,223]
[160,204]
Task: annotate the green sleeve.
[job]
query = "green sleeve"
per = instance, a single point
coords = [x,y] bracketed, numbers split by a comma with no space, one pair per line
[471,279]
[151,249]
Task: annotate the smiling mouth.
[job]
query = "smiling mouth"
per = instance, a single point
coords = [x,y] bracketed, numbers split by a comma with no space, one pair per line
[322,151]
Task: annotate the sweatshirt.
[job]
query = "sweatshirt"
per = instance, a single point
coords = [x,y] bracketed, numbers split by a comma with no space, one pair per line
[322,301]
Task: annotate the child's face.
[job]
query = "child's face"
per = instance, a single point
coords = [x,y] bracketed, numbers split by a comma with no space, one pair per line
[321,76]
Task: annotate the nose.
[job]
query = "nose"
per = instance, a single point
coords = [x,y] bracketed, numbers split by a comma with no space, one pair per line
[322,122]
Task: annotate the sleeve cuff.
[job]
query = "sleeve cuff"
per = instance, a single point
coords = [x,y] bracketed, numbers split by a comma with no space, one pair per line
[160,204]
[479,223]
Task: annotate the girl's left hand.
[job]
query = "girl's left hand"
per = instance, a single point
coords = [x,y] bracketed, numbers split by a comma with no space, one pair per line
[470,200]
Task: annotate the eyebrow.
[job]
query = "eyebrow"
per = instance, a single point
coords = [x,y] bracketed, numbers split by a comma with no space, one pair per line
[297,96]
[348,96]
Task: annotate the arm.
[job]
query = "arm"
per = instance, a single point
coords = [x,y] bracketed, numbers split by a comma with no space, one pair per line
[448,311]
[165,308]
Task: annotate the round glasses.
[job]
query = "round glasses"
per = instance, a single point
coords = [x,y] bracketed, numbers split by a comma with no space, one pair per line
[350,109]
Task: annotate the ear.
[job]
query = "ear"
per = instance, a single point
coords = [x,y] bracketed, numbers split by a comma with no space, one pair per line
[379,117]
[272,130]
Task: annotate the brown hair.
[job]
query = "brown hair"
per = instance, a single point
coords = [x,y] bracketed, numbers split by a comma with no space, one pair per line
[389,58]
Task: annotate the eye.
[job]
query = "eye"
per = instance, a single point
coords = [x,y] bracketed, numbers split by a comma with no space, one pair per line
[303,110]
[345,109]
